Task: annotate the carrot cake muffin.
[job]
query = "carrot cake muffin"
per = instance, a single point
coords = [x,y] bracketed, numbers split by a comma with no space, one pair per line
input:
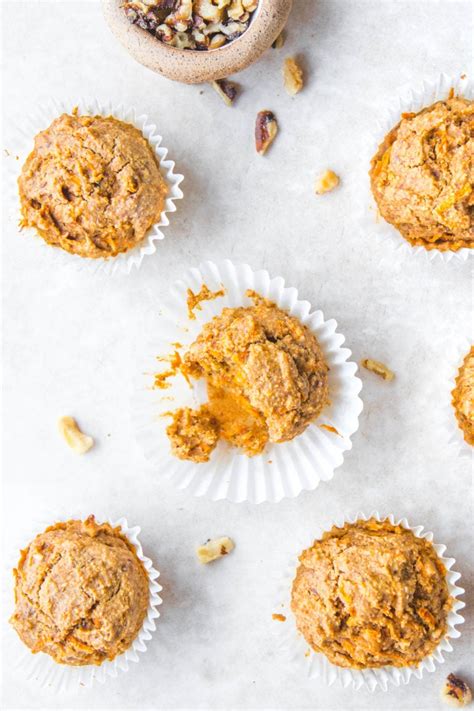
[266,381]
[422,176]
[371,594]
[91,185]
[81,593]
[463,397]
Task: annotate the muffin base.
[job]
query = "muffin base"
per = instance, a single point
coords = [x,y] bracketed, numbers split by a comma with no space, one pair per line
[123,263]
[282,470]
[370,223]
[317,666]
[41,669]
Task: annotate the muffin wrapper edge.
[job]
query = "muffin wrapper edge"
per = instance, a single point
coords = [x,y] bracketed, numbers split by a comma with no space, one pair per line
[282,470]
[40,668]
[38,120]
[411,98]
[316,666]
[453,433]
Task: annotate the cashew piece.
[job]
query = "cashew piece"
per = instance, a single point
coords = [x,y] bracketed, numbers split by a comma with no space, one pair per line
[77,440]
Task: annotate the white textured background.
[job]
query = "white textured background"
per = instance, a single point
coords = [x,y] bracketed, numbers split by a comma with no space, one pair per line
[70,340]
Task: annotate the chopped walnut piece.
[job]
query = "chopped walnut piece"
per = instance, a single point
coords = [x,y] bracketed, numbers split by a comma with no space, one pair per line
[217,41]
[251,5]
[266,128]
[208,10]
[217,548]
[378,368]
[235,10]
[226,90]
[280,41]
[326,182]
[456,692]
[292,76]
[77,440]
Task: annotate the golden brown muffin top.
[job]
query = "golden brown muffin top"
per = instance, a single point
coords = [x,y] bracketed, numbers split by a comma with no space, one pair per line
[265,373]
[81,593]
[91,185]
[371,594]
[463,397]
[422,176]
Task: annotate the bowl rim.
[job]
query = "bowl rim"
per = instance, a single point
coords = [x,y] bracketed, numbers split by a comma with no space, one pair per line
[193,66]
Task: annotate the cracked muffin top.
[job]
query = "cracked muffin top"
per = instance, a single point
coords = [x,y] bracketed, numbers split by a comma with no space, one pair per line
[371,594]
[91,185]
[463,397]
[81,593]
[422,176]
[266,379]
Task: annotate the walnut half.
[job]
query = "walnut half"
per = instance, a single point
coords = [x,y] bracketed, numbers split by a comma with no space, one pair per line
[214,549]
[266,128]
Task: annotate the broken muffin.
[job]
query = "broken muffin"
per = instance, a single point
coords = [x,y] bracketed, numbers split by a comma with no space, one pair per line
[266,381]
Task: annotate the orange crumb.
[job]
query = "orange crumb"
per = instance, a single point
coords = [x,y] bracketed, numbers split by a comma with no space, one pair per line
[175,361]
[330,428]
[205,294]
[277,616]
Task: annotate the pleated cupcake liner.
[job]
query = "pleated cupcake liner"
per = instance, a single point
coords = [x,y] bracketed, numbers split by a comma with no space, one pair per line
[38,120]
[282,470]
[314,665]
[42,670]
[370,222]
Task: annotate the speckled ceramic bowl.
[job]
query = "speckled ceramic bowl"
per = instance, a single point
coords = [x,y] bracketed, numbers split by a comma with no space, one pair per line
[194,66]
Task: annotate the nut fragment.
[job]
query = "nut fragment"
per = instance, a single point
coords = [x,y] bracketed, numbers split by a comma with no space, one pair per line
[226,90]
[326,182]
[375,366]
[212,550]
[292,76]
[266,129]
[77,440]
[456,692]
[280,41]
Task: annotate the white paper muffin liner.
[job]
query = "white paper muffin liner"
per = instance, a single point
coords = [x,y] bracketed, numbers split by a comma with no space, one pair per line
[317,666]
[410,99]
[59,678]
[282,470]
[39,120]
[454,434]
